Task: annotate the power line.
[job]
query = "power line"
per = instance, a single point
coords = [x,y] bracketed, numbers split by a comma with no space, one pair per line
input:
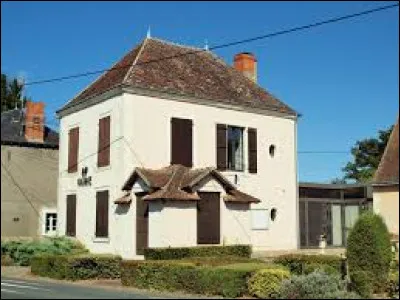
[270,35]
[21,190]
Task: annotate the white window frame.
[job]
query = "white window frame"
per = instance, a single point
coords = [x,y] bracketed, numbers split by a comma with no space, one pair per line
[260,219]
[46,211]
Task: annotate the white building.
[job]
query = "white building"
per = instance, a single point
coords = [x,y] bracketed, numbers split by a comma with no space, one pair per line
[124,142]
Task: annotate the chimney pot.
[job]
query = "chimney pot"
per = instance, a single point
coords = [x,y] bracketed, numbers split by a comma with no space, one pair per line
[246,63]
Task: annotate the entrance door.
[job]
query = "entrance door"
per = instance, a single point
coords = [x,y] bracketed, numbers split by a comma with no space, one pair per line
[142,224]
[208,218]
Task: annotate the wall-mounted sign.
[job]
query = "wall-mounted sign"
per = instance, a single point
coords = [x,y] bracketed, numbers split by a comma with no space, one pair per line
[85,180]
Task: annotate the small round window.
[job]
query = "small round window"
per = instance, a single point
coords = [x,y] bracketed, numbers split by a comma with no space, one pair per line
[273,214]
[272,150]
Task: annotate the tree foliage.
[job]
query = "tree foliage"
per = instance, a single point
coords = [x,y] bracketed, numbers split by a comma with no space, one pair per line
[367,154]
[11,93]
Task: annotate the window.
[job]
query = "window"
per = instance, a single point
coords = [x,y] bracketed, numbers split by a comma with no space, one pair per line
[272,150]
[102,214]
[230,149]
[273,214]
[70,229]
[50,222]
[73,146]
[259,219]
[181,142]
[103,154]
[235,148]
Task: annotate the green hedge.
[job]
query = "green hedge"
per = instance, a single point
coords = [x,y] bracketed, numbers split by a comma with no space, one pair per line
[266,283]
[77,267]
[185,276]
[185,252]
[6,260]
[302,264]
[22,251]
[392,287]
[369,249]
[361,283]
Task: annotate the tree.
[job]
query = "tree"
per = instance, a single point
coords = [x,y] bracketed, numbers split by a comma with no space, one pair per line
[11,93]
[367,154]
[369,250]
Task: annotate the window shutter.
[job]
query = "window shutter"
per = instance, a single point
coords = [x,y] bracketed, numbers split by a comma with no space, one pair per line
[222,147]
[73,147]
[252,147]
[71,215]
[102,214]
[181,142]
[103,155]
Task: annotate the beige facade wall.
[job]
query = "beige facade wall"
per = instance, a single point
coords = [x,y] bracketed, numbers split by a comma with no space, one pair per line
[386,203]
[35,170]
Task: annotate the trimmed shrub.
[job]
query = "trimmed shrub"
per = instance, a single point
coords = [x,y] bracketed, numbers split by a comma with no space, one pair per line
[6,260]
[392,287]
[186,252]
[220,260]
[300,263]
[77,267]
[22,252]
[265,283]
[317,285]
[361,283]
[369,249]
[185,276]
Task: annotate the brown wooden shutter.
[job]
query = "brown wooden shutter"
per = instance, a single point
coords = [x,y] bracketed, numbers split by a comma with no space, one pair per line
[252,147]
[102,214]
[222,147]
[103,155]
[71,215]
[73,148]
[181,142]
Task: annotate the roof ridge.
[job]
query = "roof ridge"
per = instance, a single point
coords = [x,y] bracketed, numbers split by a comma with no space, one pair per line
[135,60]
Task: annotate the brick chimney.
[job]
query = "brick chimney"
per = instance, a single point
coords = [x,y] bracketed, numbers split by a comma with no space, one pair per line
[246,63]
[34,121]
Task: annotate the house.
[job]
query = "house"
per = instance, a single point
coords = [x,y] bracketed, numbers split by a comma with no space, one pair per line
[173,147]
[29,171]
[330,210]
[386,184]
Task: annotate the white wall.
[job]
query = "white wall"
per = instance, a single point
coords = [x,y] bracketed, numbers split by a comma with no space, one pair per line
[276,181]
[142,125]
[109,178]
[172,224]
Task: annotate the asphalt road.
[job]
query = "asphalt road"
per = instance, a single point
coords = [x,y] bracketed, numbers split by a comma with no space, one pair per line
[12,288]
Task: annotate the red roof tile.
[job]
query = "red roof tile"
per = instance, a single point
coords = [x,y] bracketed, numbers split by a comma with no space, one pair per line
[165,67]
[388,169]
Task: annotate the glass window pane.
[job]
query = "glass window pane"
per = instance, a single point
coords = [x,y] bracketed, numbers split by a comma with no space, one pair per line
[235,148]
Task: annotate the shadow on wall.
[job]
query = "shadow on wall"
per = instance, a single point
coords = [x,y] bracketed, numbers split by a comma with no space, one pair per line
[122,209]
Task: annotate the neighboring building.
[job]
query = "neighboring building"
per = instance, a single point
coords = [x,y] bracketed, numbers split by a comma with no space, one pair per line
[29,171]
[175,148]
[386,184]
[330,210]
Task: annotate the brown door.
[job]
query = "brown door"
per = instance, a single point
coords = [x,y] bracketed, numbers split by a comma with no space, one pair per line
[208,218]
[71,215]
[142,224]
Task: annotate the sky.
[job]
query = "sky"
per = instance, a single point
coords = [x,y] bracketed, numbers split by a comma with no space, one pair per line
[343,77]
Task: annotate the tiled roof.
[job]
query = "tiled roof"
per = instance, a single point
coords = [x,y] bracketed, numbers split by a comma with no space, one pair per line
[388,169]
[177,182]
[162,66]
[12,131]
